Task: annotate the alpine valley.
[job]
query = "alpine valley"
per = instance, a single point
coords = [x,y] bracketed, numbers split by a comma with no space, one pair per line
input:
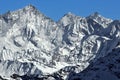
[34,47]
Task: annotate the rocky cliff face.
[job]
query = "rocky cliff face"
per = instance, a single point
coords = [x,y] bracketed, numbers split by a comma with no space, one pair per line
[105,68]
[33,44]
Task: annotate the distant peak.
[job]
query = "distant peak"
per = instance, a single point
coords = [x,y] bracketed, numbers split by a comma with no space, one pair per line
[30,7]
[69,14]
[94,15]
[99,18]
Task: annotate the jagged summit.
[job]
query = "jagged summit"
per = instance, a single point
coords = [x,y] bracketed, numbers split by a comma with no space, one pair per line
[94,15]
[99,19]
[30,8]
[97,15]
[69,14]
[72,15]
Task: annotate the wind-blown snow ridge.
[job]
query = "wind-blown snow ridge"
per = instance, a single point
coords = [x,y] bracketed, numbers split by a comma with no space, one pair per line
[32,42]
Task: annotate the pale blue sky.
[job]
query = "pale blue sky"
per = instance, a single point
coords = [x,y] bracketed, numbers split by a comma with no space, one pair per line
[55,9]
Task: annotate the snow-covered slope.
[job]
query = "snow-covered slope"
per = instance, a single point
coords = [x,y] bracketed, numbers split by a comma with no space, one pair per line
[105,68]
[29,38]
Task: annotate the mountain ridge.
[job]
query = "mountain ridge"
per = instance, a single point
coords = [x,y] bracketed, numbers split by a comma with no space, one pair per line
[29,38]
[30,6]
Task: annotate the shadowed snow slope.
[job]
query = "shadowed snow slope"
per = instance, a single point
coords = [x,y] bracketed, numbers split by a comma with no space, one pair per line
[105,68]
[33,44]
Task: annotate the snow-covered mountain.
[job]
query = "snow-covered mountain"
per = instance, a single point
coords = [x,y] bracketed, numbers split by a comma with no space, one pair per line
[33,44]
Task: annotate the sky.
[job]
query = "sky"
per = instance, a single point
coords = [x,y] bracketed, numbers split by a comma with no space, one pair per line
[55,9]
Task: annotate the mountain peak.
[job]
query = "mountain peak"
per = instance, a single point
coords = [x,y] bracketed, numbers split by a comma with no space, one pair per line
[99,18]
[69,14]
[95,15]
[30,7]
